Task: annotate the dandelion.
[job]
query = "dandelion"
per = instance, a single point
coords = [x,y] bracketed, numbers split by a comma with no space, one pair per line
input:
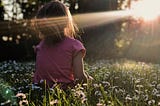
[154,82]
[155,91]
[158,95]
[80,94]
[158,86]
[138,91]
[137,81]
[109,103]
[128,98]
[151,102]
[41,81]
[145,97]
[98,93]
[85,84]
[6,103]
[35,87]
[95,85]
[106,84]
[22,99]
[100,104]
[135,97]
[83,100]
[23,103]
[54,102]
[151,85]
[121,92]
[21,95]
[139,86]
[79,87]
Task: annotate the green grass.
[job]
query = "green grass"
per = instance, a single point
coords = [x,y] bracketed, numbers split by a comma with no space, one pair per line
[116,83]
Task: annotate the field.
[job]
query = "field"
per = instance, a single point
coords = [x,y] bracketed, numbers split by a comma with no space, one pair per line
[116,83]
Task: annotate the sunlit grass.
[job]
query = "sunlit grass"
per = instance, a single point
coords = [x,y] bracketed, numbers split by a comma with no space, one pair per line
[116,82]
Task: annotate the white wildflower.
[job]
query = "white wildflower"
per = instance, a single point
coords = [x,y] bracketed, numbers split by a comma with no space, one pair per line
[158,86]
[23,103]
[100,104]
[151,102]
[128,98]
[21,95]
[53,102]
[139,86]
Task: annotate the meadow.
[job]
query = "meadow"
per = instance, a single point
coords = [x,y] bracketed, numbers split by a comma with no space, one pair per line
[116,83]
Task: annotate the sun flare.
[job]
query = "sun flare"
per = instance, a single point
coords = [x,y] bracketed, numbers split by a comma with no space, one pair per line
[145,9]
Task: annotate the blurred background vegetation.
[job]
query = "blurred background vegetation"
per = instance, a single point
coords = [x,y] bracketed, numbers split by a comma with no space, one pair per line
[122,39]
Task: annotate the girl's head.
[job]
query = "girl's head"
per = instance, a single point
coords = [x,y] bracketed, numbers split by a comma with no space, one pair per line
[54,22]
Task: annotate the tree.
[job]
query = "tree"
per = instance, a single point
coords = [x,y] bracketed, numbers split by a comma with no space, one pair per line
[97,5]
[18,31]
[1,11]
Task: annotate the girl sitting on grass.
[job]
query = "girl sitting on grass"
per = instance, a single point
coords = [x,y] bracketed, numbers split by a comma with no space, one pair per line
[59,56]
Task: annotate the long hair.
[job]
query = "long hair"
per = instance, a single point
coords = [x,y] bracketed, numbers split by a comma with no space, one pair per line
[54,21]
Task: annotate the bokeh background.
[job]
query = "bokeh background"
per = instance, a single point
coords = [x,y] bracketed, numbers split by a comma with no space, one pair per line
[107,32]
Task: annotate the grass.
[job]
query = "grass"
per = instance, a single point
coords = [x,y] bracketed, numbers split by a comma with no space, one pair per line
[116,83]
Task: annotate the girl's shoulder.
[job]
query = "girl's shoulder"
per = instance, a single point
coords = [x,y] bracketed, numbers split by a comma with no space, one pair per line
[72,40]
[75,43]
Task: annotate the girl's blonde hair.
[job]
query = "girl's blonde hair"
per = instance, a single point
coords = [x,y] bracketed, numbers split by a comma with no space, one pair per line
[54,22]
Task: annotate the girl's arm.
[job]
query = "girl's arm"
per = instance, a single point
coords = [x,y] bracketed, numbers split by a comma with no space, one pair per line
[78,68]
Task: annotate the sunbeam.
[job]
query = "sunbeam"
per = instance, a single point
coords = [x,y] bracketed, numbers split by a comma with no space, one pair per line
[82,20]
[95,19]
[88,19]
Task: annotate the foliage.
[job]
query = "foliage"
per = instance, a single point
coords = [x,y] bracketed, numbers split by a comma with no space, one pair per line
[116,83]
[16,17]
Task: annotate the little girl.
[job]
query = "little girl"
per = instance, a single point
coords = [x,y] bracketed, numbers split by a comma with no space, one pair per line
[59,56]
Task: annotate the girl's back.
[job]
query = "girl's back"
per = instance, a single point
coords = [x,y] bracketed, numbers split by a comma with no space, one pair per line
[59,56]
[54,64]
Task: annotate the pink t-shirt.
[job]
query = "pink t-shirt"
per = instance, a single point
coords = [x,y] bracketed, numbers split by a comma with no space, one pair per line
[54,64]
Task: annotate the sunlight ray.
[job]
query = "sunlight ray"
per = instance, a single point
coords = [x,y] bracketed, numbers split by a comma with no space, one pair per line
[82,20]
